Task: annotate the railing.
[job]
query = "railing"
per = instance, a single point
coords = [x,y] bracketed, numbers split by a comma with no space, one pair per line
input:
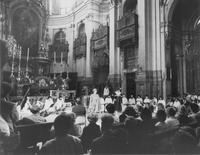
[127,28]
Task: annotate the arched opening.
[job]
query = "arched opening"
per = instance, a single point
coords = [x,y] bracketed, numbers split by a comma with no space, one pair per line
[81,29]
[60,37]
[129,6]
[183,56]
[26,29]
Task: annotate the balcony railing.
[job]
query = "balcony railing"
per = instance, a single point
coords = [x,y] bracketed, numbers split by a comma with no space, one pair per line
[127,27]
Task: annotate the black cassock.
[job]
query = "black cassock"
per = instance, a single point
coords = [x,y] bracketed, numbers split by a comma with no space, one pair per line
[118,103]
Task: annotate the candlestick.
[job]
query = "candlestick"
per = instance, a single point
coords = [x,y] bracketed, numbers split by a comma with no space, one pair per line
[28,55]
[54,57]
[13,60]
[27,63]
[19,71]
[61,57]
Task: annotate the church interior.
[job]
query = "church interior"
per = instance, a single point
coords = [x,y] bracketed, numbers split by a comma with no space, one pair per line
[130,66]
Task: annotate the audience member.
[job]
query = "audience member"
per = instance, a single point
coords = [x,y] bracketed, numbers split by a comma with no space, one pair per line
[161,124]
[90,132]
[110,108]
[171,121]
[185,141]
[134,140]
[182,116]
[64,143]
[104,143]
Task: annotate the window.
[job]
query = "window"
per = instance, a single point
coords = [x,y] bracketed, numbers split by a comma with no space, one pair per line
[81,29]
[60,37]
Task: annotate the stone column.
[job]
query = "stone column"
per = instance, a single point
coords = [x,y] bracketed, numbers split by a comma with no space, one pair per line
[164,35]
[114,53]
[142,47]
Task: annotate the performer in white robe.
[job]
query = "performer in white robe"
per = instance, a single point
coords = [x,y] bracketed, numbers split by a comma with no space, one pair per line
[94,105]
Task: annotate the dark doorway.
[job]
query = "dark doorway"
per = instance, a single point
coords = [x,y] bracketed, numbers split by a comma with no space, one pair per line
[130,85]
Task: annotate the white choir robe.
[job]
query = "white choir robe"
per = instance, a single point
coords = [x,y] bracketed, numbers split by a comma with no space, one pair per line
[108,100]
[131,101]
[124,103]
[59,104]
[102,102]
[47,105]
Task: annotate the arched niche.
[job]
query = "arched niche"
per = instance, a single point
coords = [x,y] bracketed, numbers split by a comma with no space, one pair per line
[183,50]
[81,29]
[129,6]
[28,18]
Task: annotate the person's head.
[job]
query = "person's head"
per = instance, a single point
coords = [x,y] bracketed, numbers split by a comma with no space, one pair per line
[194,107]
[131,96]
[183,110]
[130,111]
[184,142]
[160,106]
[146,114]
[78,100]
[35,108]
[171,112]
[73,116]
[107,121]
[62,124]
[92,118]
[94,91]
[161,115]
[110,108]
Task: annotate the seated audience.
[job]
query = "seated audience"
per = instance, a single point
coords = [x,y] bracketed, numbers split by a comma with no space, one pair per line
[161,116]
[185,141]
[64,143]
[182,116]
[129,111]
[104,143]
[171,120]
[110,108]
[90,132]
[132,126]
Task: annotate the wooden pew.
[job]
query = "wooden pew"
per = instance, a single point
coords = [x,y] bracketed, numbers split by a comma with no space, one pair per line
[30,135]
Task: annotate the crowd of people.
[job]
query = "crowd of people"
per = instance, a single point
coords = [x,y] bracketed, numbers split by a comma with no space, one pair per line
[115,124]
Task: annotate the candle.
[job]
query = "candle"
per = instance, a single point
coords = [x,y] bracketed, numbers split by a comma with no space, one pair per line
[20,53]
[54,57]
[27,55]
[61,57]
